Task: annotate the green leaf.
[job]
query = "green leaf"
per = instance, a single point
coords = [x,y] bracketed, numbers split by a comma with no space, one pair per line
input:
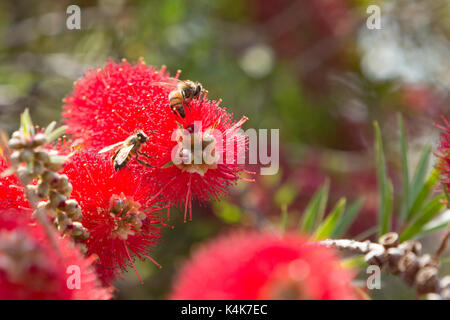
[405,170]
[56,133]
[322,204]
[314,207]
[357,262]
[427,214]
[421,197]
[437,223]
[420,174]
[384,185]
[347,218]
[26,125]
[446,192]
[328,226]
[50,128]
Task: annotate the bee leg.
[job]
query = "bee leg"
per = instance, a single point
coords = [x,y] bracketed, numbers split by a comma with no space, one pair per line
[142,162]
[143,154]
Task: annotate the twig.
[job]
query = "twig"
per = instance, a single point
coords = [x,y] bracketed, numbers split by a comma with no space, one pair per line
[404,260]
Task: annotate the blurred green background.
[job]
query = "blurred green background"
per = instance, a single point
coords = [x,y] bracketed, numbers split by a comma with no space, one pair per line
[310,68]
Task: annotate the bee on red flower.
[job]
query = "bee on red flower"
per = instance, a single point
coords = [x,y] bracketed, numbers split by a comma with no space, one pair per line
[32,268]
[107,106]
[119,212]
[251,266]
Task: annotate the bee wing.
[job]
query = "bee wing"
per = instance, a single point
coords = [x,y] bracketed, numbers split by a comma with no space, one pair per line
[171,85]
[111,147]
[122,154]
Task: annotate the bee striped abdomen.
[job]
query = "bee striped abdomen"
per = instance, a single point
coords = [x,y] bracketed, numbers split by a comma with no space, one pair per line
[176,103]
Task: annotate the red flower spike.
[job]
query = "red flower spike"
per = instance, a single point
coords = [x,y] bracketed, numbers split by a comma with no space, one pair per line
[263,266]
[31,268]
[119,212]
[110,104]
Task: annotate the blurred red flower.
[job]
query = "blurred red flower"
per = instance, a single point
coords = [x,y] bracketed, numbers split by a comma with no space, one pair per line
[31,268]
[11,190]
[119,211]
[263,266]
[110,104]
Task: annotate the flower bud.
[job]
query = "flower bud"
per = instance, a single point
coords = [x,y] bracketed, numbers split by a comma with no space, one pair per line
[15,144]
[39,140]
[43,189]
[15,157]
[38,168]
[57,200]
[42,156]
[24,175]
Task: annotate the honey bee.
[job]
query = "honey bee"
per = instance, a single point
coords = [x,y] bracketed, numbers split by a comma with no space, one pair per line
[126,149]
[183,91]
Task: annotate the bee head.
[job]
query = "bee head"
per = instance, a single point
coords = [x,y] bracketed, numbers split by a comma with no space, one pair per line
[198,89]
[141,136]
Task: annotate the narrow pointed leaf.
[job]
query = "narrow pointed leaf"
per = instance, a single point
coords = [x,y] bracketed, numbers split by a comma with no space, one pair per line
[405,170]
[347,218]
[426,215]
[421,197]
[420,174]
[328,226]
[312,210]
[384,186]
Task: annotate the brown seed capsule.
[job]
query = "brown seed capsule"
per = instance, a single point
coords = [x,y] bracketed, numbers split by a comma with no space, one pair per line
[427,260]
[376,257]
[389,240]
[408,266]
[427,280]
[411,245]
[394,255]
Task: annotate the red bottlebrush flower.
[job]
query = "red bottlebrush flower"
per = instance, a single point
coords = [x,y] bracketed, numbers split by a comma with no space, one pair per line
[443,154]
[110,104]
[118,212]
[11,190]
[263,266]
[32,268]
